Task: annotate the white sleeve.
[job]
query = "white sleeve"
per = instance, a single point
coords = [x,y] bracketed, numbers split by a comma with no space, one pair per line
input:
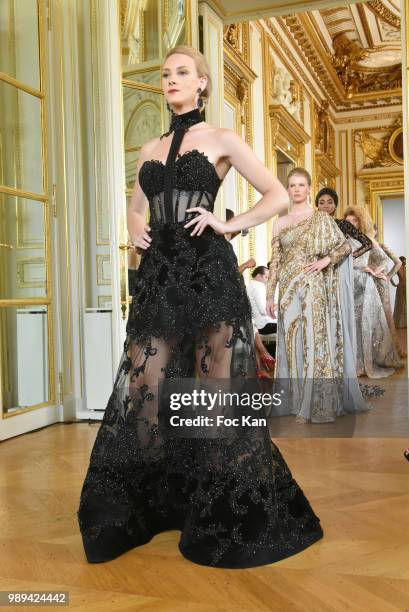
[260,298]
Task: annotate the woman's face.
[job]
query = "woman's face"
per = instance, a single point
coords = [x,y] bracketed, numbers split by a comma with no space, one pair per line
[180,81]
[353,220]
[298,188]
[326,204]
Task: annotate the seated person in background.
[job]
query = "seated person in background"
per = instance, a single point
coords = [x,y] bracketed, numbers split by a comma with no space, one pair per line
[257,292]
[265,361]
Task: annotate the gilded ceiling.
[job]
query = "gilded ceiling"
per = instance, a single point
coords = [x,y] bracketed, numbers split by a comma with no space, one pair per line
[354,51]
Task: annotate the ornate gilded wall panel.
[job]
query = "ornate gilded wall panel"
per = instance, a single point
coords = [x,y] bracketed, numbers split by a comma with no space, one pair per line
[238,78]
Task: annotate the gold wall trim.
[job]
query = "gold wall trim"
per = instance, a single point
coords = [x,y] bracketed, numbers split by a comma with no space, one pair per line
[287,134]
[237,61]
[20,193]
[376,95]
[382,11]
[360,118]
[377,184]
[65,263]
[143,86]
[44,301]
[238,78]
[272,9]
[278,44]
[320,66]
[6,78]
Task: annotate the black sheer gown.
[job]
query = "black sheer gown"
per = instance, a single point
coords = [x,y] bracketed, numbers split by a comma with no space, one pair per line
[233,499]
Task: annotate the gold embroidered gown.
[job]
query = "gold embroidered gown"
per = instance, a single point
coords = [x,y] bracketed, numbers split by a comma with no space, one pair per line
[310,347]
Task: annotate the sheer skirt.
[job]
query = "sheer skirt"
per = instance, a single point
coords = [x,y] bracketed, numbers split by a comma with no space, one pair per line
[233,499]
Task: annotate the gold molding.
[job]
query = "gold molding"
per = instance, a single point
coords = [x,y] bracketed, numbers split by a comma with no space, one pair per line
[234,59]
[6,78]
[359,118]
[319,64]
[20,193]
[101,261]
[287,134]
[238,78]
[326,170]
[392,140]
[22,264]
[382,11]
[377,183]
[141,86]
[289,62]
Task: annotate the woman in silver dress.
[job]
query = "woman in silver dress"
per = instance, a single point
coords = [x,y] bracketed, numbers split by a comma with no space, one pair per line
[378,262]
[377,355]
[326,201]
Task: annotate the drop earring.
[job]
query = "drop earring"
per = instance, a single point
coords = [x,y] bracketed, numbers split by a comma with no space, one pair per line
[200,103]
[168,107]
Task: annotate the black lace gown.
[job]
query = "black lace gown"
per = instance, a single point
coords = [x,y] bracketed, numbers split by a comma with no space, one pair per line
[234,500]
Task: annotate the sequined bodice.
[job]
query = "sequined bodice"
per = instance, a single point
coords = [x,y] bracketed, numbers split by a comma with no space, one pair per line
[297,242]
[378,259]
[195,182]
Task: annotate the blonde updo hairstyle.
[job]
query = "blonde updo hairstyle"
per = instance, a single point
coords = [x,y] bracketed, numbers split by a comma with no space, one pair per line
[299,172]
[364,219]
[201,64]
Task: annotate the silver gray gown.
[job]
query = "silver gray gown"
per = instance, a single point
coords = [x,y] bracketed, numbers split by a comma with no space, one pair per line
[377,356]
[352,395]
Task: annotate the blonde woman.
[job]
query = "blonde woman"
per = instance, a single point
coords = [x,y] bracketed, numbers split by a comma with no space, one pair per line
[307,249]
[377,353]
[233,498]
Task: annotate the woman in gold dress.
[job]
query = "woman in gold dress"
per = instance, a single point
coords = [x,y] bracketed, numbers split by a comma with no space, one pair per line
[307,245]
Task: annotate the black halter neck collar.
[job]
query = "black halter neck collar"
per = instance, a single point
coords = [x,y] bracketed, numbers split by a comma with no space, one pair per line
[179,126]
[184,121]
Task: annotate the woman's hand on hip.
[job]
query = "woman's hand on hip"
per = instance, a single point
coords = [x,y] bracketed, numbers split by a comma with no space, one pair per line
[204,219]
[316,266]
[143,240]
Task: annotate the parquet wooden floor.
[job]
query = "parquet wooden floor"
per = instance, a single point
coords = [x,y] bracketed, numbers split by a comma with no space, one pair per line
[358,487]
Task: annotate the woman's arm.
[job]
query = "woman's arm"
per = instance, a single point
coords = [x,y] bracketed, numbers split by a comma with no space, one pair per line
[250,263]
[331,245]
[339,253]
[351,231]
[274,196]
[274,270]
[136,213]
[397,262]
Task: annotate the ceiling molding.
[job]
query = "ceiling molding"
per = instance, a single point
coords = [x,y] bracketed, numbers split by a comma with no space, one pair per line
[234,11]
[386,14]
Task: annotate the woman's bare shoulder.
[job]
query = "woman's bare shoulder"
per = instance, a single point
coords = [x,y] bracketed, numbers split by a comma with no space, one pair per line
[280,224]
[149,146]
[222,135]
